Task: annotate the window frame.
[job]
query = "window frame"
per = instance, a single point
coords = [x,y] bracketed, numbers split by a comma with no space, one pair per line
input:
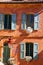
[25,50]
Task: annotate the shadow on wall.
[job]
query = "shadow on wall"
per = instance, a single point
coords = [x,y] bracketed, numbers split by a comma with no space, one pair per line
[39,61]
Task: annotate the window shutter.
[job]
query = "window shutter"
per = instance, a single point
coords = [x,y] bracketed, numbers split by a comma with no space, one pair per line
[13,25]
[36,21]
[35,51]
[23,24]
[1,21]
[22,50]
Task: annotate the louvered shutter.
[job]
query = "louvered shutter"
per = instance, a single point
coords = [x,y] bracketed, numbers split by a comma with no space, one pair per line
[35,51]
[22,50]
[13,25]
[23,24]
[36,21]
[1,21]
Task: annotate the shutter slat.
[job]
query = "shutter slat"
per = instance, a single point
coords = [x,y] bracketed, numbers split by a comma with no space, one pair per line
[23,24]
[13,22]
[36,21]
[35,51]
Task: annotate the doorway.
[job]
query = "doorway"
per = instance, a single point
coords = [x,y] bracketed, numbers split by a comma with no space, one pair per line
[6,53]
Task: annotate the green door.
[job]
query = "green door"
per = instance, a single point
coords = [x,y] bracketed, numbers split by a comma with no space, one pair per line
[6,54]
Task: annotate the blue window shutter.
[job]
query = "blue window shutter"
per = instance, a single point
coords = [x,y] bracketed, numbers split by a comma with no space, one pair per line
[21,50]
[23,24]
[1,21]
[13,27]
[35,51]
[36,21]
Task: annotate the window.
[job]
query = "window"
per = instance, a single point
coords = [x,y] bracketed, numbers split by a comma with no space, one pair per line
[30,20]
[8,21]
[29,49]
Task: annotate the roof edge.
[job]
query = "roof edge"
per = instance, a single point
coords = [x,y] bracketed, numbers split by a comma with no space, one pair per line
[21,2]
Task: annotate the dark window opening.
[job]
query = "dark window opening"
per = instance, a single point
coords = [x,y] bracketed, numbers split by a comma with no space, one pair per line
[7,22]
[29,49]
[30,20]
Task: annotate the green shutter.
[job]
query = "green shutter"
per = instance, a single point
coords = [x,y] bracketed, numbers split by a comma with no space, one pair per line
[35,51]
[22,50]
[6,54]
[1,21]
[23,24]
[13,25]
[36,21]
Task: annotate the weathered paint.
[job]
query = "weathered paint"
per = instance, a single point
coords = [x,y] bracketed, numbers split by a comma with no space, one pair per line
[18,35]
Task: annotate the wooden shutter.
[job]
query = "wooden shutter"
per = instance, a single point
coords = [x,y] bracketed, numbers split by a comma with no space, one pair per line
[36,21]
[23,24]
[13,25]
[35,51]
[1,21]
[22,50]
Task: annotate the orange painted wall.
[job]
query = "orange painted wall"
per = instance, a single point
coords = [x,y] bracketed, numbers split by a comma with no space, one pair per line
[21,36]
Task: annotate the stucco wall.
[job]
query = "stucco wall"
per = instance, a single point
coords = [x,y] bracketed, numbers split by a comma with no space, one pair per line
[21,36]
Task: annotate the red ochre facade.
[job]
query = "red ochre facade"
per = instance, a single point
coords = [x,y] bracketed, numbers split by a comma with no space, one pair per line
[15,37]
